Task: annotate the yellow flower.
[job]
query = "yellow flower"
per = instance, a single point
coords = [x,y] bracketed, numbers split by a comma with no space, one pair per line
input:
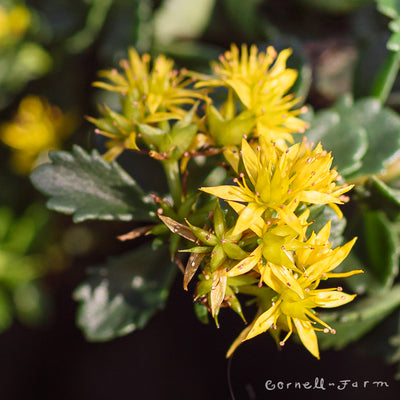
[297,296]
[276,182]
[275,244]
[148,95]
[38,126]
[261,81]
[13,23]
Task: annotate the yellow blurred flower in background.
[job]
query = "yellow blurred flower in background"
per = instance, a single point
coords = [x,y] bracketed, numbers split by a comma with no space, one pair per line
[37,127]
[13,23]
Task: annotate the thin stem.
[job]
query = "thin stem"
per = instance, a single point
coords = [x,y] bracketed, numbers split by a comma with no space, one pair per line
[387,75]
[228,373]
[171,168]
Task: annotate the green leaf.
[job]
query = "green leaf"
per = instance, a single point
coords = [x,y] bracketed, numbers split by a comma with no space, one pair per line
[88,187]
[120,296]
[390,8]
[381,243]
[383,130]
[358,318]
[380,196]
[393,43]
[177,19]
[376,252]
[341,134]
[364,137]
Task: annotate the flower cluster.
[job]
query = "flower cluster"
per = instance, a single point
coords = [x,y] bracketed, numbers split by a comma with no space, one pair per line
[269,250]
[269,244]
[150,97]
[263,244]
[260,82]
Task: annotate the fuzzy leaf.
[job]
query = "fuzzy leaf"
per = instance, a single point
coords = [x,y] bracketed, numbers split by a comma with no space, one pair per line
[383,130]
[338,133]
[88,187]
[122,295]
[364,137]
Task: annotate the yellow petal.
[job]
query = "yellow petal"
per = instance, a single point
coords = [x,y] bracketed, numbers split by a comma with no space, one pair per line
[249,215]
[307,336]
[250,161]
[264,321]
[343,274]
[287,279]
[246,264]
[330,299]
[227,192]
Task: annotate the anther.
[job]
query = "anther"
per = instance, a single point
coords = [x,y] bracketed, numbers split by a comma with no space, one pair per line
[326,330]
[333,331]
[282,343]
[339,289]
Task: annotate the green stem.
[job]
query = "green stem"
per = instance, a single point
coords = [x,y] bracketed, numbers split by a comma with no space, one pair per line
[171,168]
[384,81]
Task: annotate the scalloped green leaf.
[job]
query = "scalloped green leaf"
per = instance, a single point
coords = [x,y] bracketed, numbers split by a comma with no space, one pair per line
[120,296]
[383,130]
[364,136]
[88,187]
[390,8]
[358,318]
[340,133]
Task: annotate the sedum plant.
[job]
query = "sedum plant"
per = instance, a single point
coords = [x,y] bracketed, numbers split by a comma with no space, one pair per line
[253,214]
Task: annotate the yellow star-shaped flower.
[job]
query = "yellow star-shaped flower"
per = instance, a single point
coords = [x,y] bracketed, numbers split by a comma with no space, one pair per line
[278,181]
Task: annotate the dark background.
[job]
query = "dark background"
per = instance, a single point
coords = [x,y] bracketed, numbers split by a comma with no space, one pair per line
[174,357]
